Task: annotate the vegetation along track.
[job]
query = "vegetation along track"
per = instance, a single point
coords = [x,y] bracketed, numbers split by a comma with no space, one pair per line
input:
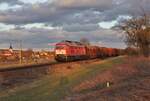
[36,65]
[24,66]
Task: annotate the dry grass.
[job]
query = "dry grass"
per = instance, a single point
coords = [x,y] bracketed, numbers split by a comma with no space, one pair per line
[84,81]
[141,62]
[130,82]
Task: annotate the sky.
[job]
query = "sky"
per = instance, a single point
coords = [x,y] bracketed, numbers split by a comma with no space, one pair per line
[42,23]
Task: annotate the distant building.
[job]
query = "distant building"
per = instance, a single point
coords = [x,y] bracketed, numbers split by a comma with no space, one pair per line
[11,48]
[6,52]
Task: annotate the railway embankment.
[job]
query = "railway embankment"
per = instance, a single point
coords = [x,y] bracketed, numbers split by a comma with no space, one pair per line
[51,82]
[17,66]
[120,78]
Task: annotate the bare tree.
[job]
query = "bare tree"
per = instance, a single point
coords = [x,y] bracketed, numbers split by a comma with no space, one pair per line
[137,32]
[85,41]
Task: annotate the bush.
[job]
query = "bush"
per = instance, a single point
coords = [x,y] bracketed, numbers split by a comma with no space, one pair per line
[142,64]
[131,51]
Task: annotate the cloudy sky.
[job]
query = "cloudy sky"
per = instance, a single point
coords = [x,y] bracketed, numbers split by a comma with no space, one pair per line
[42,23]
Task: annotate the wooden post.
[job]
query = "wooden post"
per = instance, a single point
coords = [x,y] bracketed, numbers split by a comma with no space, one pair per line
[20,51]
[108,84]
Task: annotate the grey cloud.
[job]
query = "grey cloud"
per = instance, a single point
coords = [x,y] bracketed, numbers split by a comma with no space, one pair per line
[84,4]
[80,17]
[49,12]
[33,13]
[65,11]
[11,2]
[128,7]
[79,27]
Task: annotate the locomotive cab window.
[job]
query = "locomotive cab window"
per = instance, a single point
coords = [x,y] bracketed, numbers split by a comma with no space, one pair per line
[59,47]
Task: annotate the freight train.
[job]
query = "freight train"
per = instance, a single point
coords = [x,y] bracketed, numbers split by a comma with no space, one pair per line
[73,50]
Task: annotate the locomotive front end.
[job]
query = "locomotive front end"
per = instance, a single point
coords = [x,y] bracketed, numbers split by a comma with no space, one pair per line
[60,52]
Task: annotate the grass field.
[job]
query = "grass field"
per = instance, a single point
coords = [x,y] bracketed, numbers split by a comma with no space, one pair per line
[57,85]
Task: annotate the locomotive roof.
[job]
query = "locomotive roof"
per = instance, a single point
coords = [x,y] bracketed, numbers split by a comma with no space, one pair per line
[72,43]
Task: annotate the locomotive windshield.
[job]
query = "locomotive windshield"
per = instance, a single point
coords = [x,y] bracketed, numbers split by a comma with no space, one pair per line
[59,47]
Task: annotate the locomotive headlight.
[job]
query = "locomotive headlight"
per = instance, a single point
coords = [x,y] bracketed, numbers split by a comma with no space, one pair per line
[62,51]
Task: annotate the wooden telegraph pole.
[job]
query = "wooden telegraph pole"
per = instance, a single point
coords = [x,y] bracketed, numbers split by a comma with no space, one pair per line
[20,56]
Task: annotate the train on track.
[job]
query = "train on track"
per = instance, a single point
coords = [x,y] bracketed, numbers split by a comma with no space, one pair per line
[73,50]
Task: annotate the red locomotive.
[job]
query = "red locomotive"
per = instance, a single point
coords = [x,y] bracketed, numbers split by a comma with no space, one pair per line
[73,50]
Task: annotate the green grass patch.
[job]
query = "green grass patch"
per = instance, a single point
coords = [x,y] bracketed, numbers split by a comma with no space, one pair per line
[56,87]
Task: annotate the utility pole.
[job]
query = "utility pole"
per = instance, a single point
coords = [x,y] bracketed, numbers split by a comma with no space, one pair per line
[20,56]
